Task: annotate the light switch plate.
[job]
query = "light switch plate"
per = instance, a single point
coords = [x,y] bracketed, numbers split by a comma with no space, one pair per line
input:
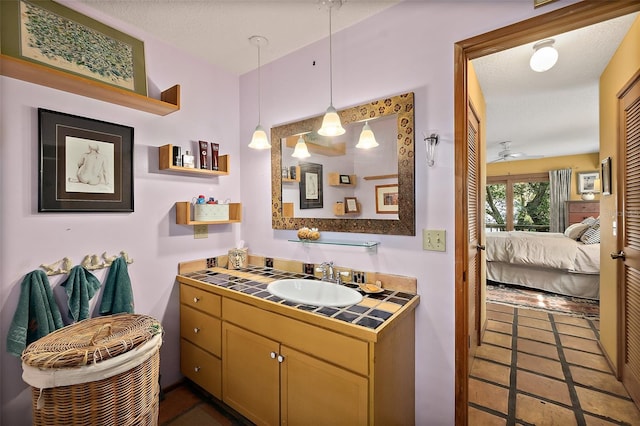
[434,240]
[200,231]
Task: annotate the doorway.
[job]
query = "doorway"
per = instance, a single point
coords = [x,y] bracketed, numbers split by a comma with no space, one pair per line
[562,20]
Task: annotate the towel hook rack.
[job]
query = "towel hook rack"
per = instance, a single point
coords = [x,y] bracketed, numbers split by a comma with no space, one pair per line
[90,262]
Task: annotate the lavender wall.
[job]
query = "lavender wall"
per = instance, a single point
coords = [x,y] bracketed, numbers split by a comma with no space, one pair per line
[210,106]
[408,47]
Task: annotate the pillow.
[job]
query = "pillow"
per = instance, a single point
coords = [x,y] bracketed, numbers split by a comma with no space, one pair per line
[576,230]
[592,235]
[589,221]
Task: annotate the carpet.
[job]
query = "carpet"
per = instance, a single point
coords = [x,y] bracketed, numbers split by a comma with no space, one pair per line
[549,302]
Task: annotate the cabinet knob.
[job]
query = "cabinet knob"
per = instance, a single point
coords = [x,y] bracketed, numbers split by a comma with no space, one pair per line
[280,358]
[273,355]
[196,299]
[196,369]
[196,330]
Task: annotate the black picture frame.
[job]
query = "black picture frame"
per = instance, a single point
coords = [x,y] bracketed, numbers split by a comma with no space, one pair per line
[311,186]
[85,165]
[605,173]
[345,180]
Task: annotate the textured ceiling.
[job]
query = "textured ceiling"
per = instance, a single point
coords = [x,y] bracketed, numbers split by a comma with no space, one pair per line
[551,113]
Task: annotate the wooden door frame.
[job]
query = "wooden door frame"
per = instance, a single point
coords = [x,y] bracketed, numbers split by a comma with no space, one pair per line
[559,21]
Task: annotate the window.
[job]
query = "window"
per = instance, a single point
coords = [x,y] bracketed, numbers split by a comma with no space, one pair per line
[517,202]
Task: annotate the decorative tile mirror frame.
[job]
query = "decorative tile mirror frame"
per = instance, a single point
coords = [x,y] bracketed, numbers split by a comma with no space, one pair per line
[403,107]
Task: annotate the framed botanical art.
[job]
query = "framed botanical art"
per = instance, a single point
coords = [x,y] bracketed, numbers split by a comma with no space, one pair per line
[311,186]
[85,165]
[55,36]
[351,205]
[387,199]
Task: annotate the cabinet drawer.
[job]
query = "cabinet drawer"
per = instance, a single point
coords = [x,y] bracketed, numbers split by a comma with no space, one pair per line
[201,329]
[579,217]
[330,346]
[201,367]
[584,207]
[200,299]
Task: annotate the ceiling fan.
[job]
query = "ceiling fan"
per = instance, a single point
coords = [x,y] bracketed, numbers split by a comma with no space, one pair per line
[506,154]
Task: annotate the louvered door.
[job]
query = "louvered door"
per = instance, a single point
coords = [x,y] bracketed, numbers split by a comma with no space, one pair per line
[473,211]
[629,179]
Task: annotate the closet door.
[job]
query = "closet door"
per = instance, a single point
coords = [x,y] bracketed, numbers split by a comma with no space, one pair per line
[629,207]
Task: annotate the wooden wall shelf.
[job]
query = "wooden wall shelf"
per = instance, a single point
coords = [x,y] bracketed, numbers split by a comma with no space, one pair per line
[297,178]
[334,180]
[381,177]
[61,80]
[183,214]
[165,162]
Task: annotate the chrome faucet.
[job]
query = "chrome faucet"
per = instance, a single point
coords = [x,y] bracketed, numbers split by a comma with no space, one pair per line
[329,274]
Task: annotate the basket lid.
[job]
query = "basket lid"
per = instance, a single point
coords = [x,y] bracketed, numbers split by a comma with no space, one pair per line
[91,341]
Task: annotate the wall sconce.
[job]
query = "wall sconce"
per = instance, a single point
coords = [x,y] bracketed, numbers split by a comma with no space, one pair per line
[431,142]
[367,138]
[544,56]
[300,150]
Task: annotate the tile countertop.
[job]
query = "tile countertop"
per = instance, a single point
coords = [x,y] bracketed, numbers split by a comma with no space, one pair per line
[372,315]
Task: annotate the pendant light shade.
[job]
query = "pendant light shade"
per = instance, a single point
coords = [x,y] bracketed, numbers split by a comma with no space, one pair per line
[331,125]
[301,151]
[367,138]
[544,56]
[259,140]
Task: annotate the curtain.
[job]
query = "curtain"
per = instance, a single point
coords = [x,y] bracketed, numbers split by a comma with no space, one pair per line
[559,191]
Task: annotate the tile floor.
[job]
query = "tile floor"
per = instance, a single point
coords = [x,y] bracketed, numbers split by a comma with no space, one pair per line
[536,368]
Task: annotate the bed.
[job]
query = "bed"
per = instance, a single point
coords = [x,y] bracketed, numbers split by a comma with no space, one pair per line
[545,261]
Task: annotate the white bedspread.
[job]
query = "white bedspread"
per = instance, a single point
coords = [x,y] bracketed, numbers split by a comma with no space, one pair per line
[543,249]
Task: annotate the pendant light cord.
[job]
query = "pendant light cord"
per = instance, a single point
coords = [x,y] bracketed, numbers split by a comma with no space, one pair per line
[330,60]
[259,87]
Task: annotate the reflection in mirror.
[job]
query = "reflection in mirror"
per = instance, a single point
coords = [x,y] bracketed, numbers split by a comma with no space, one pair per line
[319,190]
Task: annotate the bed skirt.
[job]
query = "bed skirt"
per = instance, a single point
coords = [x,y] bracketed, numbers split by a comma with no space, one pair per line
[556,281]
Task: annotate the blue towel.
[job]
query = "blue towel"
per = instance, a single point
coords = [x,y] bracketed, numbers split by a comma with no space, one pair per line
[117,296]
[81,285]
[37,313]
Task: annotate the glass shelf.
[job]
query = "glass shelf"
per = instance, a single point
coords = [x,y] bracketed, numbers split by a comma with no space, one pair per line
[372,246]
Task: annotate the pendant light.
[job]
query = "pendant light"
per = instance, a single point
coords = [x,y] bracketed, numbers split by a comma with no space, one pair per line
[367,138]
[300,150]
[259,139]
[331,125]
[544,56]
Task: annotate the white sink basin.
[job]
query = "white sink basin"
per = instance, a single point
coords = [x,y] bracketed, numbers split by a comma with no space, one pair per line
[313,292]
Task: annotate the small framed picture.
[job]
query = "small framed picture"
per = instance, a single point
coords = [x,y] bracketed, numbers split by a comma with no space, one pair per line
[387,199]
[351,205]
[605,173]
[587,182]
[345,179]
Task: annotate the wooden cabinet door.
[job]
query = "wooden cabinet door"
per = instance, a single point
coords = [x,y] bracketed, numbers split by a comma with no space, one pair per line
[251,377]
[315,392]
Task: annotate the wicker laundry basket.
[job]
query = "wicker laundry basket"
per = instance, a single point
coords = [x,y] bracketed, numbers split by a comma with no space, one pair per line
[100,371]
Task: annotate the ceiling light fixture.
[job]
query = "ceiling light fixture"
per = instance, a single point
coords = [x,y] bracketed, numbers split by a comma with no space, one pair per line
[544,56]
[331,125]
[300,150]
[259,140]
[367,138]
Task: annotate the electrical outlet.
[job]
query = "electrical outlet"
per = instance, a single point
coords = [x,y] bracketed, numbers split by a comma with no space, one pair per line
[200,231]
[434,240]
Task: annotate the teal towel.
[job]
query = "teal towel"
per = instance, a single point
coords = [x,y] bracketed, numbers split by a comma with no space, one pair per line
[117,296]
[37,313]
[81,285]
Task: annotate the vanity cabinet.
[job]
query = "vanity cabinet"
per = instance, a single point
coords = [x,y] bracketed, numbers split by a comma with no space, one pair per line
[200,338]
[280,365]
[272,383]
